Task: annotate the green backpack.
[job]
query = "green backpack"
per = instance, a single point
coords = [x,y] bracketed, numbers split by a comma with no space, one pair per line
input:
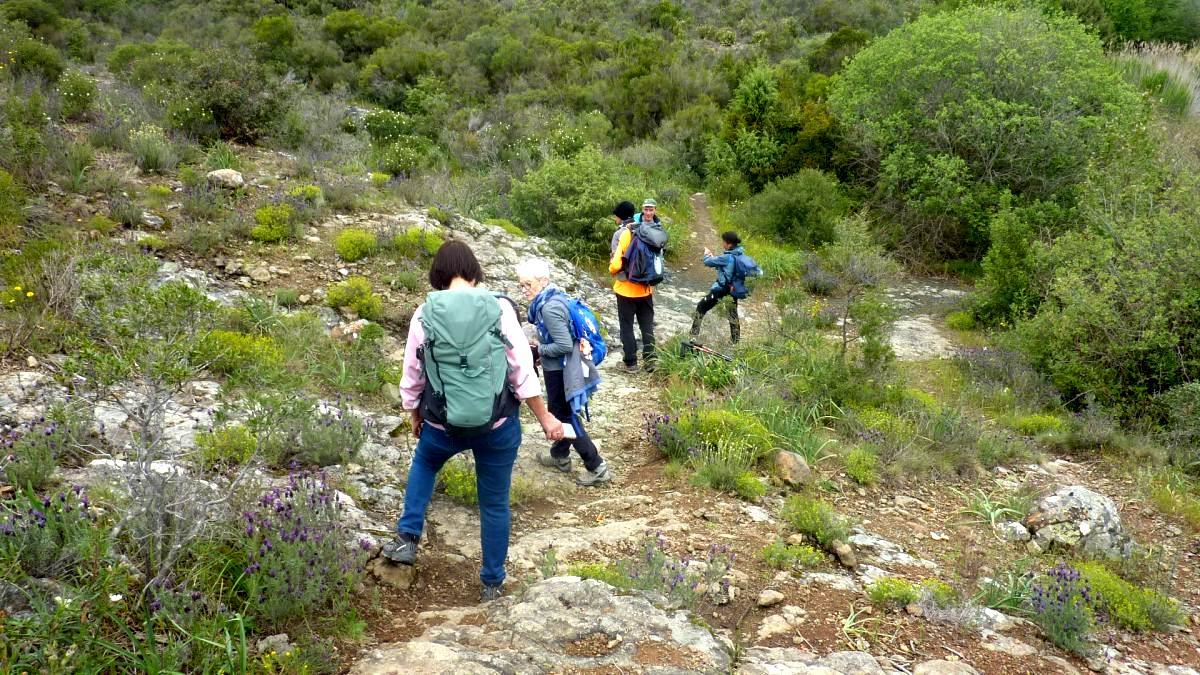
[466,366]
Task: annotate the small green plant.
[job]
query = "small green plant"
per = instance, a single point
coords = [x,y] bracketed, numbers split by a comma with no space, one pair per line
[783,556]
[441,215]
[231,445]
[78,94]
[287,297]
[125,212]
[1010,591]
[356,294]
[273,222]
[159,193]
[152,151]
[291,429]
[861,466]
[229,352]
[310,194]
[379,179]
[960,321]
[1035,424]
[1130,606]
[100,224]
[609,574]
[48,536]
[406,280]
[416,241]
[506,225]
[353,244]
[815,519]
[457,479]
[938,593]
[153,243]
[989,510]
[222,155]
[893,592]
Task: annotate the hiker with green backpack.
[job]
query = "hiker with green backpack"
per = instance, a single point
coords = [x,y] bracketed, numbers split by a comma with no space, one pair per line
[733,268]
[467,368]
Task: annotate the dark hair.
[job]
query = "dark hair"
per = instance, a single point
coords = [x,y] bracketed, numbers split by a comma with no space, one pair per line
[731,238]
[454,259]
[625,210]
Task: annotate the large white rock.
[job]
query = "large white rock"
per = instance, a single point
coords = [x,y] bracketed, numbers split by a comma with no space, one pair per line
[1080,520]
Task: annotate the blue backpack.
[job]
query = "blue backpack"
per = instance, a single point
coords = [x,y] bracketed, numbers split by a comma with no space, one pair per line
[584,325]
[743,267]
[644,260]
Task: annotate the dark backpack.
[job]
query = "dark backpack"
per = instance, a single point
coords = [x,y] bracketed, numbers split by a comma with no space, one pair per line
[743,267]
[644,259]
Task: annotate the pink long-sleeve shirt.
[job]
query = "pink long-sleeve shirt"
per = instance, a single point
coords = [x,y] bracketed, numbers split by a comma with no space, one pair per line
[520,361]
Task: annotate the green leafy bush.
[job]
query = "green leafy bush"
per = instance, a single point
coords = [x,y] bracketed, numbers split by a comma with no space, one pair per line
[353,244]
[287,297]
[783,556]
[946,153]
[960,321]
[12,209]
[38,59]
[861,466]
[609,574]
[231,445]
[404,157]
[1130,606]
[310,194]
[78,94]
[406,280]
[816,519]
[49,537]
[356,294]
[506,225]
[152,151]
[892,592]
[416,242]
[274,222]
[1035,424]
[1180,407]
[800,209]
[229,352]
[291,428]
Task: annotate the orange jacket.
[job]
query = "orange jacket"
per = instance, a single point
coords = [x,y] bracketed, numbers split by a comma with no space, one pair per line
[628,289]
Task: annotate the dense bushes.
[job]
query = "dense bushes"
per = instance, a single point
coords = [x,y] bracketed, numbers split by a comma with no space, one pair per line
[801,209]
[1033,103]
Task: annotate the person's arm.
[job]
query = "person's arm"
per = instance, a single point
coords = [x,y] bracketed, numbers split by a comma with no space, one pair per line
[558,324]
[521,374]
[618,259]
[718,261]
[412,379]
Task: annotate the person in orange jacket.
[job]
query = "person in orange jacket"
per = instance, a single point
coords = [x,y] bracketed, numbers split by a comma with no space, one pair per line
[634,300]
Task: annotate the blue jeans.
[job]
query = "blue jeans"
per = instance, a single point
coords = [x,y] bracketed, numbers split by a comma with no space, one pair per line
[495,453]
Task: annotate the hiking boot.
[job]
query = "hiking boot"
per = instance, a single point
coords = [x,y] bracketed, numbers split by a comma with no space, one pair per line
[629,367]
[600,475]
[697,318]
[548,460]
[402,549]
[490,593]
[650,366]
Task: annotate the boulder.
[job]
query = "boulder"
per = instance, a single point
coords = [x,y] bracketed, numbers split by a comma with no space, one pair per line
[226,178]
[774,661]
[792,468]
[940,667]
[1079,520]
[562,624]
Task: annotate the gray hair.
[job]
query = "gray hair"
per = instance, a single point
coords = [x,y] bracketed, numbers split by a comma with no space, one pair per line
[533,268]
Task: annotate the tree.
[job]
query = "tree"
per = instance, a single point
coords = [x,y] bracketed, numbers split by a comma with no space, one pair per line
[955,108]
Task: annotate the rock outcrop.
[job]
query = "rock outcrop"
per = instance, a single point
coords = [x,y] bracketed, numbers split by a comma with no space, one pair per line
[1078,519]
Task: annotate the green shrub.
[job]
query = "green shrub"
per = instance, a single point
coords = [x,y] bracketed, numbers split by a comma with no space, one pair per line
[1180,408]
[386,127]
[416,241]
[100,224]
[290,428]
[56,548]
[1035,424]
[273,222]
[229,352]
[232,445]
[125,211]
[78,94]
[960,321]
[892,593]
[12,209]
[407,280]
[457,479]
[861,466]
[784,556]
[609,574]
[720,427]
[221,155]
[506,225]
[441,215]
[380,179]
[36,58]
[159,193]
[799,209]
[356,294]
[939,593]
[287,297]
[310,194]
[815,519]
[1130,606]
[945,154]
[153,243]
[152,151]
[404,157]
[353,244]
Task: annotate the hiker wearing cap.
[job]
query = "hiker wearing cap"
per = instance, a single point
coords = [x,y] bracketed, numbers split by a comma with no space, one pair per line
[570,372]
[635,297]
[732,266]
[467,367]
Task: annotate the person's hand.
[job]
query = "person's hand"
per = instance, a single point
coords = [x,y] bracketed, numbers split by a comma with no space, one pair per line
[585,348]
[417,423]
[552,427]
[707,252]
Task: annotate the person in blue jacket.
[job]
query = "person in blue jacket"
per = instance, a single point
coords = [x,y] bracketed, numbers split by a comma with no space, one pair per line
[723,286]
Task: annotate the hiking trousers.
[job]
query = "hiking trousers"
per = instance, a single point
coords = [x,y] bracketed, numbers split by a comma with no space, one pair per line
[641,309]
[556,402]
[495,453]
[708,302]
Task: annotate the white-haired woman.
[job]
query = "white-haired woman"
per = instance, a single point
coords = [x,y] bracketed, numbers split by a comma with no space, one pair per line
[562,355]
